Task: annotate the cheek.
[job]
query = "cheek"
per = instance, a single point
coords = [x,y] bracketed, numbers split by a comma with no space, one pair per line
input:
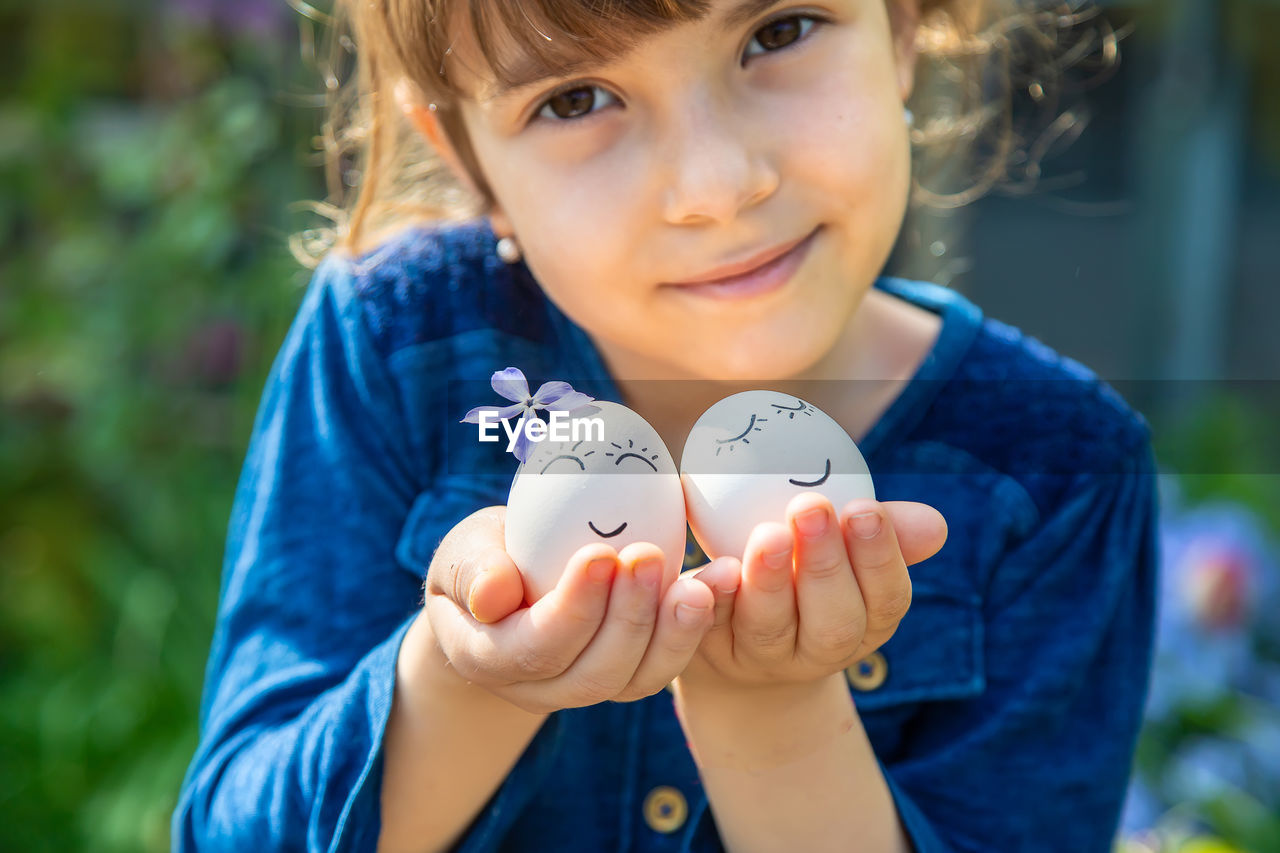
[844,142]
[842,129]
[573,224]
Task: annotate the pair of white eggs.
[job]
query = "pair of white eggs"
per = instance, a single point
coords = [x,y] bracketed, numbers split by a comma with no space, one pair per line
[743,461]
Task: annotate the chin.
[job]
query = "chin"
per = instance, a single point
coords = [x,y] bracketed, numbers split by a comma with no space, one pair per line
[757,364]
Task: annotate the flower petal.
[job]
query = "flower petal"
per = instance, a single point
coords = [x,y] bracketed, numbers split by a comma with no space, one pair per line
[473,416]
[523,445]
[512,410]
[571,401]
[510,384]
[549,392]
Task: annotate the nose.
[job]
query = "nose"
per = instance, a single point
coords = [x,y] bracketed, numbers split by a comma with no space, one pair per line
[714,166]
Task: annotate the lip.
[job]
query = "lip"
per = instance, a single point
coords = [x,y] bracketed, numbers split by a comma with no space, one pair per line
[734,270]
[762,274]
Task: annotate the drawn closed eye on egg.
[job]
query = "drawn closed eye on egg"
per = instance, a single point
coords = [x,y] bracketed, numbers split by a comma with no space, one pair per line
[629,452]
[566,456]
[801,408]
[570,455]
[743,437]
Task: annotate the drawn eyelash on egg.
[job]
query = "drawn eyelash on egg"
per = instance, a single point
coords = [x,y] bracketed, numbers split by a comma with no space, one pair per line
[627,451]
[571,455]
[556,459]
[802,409]
[742,436]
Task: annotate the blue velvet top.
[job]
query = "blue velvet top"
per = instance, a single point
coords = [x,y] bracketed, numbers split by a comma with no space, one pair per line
[1012,691]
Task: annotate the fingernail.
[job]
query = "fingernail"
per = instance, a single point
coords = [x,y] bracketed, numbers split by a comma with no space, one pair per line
[600,569]
[813,523]
[649,572]
[780,560]
[688,615]
[865,525]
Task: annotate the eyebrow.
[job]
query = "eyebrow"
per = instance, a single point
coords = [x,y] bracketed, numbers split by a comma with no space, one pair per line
[528,71]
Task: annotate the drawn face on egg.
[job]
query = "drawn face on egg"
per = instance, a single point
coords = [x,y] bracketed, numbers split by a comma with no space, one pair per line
[750,453]
[597,459]
[615,483]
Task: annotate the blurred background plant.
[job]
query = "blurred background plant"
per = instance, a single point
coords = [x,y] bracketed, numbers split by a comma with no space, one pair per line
[146,160]
[1208,765]
[149,155]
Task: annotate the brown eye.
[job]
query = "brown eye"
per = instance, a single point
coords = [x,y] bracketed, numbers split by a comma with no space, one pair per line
[782,32]
[575,103]
[779,34]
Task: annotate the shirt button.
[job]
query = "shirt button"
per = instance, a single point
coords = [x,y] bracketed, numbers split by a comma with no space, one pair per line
[868,673]
[665,809]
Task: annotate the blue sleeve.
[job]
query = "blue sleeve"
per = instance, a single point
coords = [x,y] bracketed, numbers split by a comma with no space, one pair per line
[313,605]
[1040,760]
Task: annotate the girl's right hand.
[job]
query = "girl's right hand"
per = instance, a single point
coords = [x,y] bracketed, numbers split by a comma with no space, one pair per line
[608,631]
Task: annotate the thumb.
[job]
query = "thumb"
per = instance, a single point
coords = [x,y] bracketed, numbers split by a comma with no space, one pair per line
[472,567]
[921,529]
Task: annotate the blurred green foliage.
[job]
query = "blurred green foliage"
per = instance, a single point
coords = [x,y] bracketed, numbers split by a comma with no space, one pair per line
[145,169]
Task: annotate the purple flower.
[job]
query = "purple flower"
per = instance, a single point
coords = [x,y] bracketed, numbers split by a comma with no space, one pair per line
[511,385]
[263,18]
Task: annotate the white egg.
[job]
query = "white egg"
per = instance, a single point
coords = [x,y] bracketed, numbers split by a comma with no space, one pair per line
[617,486]
[750,454]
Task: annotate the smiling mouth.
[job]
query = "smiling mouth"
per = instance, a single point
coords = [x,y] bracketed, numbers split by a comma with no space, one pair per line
[754,282]
[610,534]
[729,272]
[817,482]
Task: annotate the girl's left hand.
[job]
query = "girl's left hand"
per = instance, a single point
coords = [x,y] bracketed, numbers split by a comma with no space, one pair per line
[813,596]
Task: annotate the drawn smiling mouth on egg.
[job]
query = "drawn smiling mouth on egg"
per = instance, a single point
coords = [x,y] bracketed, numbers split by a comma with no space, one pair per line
[818,482]
[610,534]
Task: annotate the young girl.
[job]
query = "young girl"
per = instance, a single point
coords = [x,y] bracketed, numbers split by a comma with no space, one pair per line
[672,200]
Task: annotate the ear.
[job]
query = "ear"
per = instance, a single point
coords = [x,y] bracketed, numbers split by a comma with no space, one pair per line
[424,119]
[904,22]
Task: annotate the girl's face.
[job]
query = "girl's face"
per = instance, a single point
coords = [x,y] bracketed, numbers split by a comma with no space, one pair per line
[712,143]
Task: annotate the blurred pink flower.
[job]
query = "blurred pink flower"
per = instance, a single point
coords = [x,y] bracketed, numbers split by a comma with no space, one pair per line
[1219,581]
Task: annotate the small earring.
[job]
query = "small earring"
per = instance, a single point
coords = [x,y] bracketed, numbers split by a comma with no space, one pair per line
[509,250]
[909,116]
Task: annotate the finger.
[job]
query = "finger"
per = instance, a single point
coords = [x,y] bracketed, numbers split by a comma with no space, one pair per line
[723,576]
[536,642]
[558,626]
[921,529]
[829,605]
[497,589]
[764,613]
[472,567]
[878,566]
[608,662]
[684,617]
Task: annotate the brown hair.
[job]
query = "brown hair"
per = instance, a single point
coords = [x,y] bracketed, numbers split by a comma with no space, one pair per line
[976,57]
